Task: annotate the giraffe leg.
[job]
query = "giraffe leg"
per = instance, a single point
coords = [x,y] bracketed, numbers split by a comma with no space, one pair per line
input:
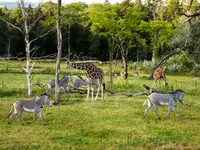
[101,91]
[92,92]
[88,91]
[99,86]
[97,92]
[102,88]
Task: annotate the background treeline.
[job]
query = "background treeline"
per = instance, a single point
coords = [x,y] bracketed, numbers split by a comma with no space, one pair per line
[138,31]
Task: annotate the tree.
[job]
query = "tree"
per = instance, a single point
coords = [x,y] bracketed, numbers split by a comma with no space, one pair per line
[120,24]
[28,21]
[74,14]
[59,54]
[160,32]
[3,31]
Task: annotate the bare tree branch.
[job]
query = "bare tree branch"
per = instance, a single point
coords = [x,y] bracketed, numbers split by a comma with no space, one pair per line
[12,25]
[35,48]
[33,24]
[190,17]
[32,66]
[37,18]
[41,35]
[197,13]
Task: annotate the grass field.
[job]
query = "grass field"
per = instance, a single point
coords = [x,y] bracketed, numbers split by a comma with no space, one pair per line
[116,122]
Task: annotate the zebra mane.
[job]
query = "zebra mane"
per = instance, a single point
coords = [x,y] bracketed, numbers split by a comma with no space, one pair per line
[178,90]
[44,94]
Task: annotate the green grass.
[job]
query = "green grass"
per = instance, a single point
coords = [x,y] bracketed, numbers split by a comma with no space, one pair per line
[113,123]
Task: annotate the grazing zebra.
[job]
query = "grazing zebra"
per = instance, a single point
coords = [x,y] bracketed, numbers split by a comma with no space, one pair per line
[63,83]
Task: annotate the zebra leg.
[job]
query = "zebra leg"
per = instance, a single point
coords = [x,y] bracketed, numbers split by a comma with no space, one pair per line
[169,111]
[11,116]
[41,117]
[34,117]
[20,117]
[156,111]
[147,109]
[175,111]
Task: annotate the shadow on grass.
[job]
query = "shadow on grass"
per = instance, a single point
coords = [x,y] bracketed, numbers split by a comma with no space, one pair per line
[71,102]
[13,92]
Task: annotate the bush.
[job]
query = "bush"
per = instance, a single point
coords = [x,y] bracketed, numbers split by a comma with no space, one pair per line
[143,66]
[179,63]
[196,70]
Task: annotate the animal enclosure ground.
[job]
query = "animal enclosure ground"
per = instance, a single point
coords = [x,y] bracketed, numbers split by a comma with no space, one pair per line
[113,123]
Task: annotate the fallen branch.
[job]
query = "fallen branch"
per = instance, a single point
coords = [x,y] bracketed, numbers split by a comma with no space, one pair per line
[137,94]
[129,94]
[109,91]
[151,90]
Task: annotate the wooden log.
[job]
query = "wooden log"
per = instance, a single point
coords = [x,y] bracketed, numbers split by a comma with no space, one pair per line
[151,90]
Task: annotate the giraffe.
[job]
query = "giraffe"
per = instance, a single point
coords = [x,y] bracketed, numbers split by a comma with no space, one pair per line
[92,73]
[158,75]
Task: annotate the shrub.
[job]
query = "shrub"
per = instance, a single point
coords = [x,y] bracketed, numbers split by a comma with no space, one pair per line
[143,66]
[196,70]
[179,63]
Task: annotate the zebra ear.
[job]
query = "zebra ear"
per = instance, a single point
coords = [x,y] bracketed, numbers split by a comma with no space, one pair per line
[47,94]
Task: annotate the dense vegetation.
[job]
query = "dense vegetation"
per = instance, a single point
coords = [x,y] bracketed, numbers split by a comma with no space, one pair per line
[143,31]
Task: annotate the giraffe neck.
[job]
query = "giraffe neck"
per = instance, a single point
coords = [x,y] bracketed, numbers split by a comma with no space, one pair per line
[78,66]
[92,72]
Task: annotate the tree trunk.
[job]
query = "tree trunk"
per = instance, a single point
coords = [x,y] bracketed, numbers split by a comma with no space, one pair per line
[8,48]
[68,48]
[110,71]
[28,69]
[27,46]
[111,51]
[124,61]
[59,55]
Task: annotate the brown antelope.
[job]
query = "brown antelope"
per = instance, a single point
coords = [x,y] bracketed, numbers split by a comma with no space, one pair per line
[158,75]
[135,74]
[122,74]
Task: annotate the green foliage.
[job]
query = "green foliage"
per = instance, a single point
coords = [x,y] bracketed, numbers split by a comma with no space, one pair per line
[196,71]
[142,66]
[143,30]
[179,63]
[160,33]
